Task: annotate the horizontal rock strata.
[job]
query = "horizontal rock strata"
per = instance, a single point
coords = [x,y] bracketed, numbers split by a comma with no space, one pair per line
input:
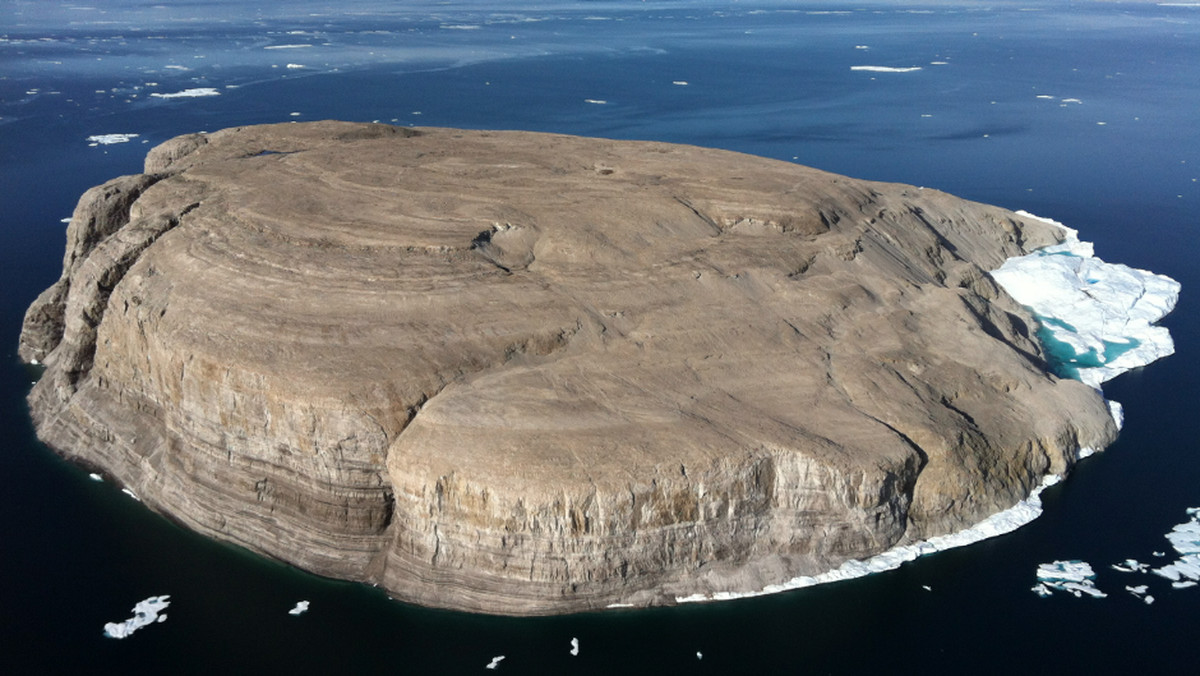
[526,373]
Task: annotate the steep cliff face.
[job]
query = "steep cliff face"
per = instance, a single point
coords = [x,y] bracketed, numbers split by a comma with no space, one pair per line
[526,373]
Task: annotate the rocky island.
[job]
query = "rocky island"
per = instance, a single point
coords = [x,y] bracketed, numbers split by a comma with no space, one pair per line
[525,373]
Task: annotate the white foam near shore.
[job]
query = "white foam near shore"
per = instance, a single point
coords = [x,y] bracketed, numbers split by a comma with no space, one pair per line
[1097,318]
[1000,523]
[188,93]
[145,613]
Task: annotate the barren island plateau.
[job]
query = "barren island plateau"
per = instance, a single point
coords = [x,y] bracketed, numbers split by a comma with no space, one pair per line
[524,373]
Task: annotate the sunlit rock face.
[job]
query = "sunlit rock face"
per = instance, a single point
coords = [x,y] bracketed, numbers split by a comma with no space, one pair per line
[527,373]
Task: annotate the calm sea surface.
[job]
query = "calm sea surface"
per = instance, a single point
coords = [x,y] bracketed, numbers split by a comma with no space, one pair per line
[1087,113]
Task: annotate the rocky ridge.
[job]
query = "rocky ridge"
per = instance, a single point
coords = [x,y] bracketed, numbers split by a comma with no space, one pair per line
[526,373]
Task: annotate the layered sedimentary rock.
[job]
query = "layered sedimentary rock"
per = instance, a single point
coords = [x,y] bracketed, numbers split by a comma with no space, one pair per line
[527,373]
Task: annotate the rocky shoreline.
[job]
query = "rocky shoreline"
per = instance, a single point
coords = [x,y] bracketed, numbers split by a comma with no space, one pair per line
[523,373]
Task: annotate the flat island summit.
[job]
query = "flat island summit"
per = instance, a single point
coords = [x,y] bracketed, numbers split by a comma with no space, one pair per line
[524,373]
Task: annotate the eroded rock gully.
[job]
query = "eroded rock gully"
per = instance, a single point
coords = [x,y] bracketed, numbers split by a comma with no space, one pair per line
[526,373]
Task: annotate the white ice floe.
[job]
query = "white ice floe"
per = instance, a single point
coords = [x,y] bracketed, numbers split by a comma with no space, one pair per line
[495,662]
[300,608]
[1073,577]
[296,66]
[886,69]
[144,613]
[681,83]
[1097,318]
[188,93]
[1139,591]
[997,524]
[298,46]
[109,139]
[598,102]
[1185,538]
[95,477]
[1131,566]
[131,494]
[574,646]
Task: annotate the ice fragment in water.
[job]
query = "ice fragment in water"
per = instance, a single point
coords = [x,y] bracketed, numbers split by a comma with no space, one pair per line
[1185,538]
[1131,566]
[188,93]
[1074,577]
[144,613]
[109,139]
[1140,592]
[300,608]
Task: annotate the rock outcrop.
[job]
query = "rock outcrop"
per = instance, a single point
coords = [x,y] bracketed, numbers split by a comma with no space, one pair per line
[525,373]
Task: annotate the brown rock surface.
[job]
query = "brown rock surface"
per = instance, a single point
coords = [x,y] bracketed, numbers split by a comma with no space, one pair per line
[526,373]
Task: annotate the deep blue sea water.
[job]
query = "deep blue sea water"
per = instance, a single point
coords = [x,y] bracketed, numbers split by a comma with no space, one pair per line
[1088,113]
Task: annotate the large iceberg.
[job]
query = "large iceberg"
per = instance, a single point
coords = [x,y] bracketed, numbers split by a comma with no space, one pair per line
[1097,319]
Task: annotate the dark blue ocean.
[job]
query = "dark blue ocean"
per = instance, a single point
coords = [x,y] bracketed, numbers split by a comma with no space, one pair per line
[1085,112]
